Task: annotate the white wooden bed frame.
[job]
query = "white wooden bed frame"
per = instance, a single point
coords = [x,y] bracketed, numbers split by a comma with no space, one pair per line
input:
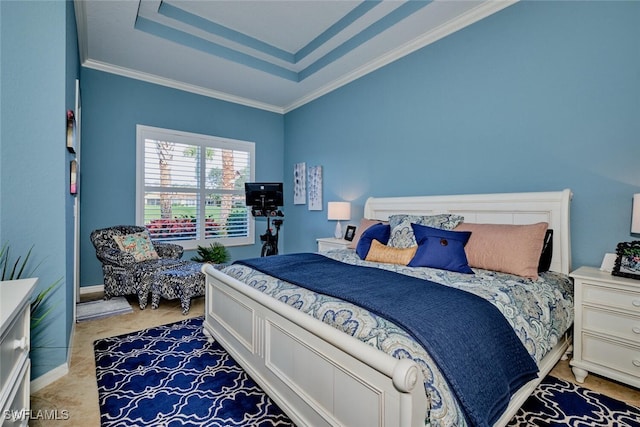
[320,376]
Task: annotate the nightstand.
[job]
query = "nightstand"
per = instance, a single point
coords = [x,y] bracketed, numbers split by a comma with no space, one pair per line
[606,332]
[327,243]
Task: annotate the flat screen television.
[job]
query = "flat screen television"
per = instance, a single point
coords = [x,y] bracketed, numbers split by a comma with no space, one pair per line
[264,195]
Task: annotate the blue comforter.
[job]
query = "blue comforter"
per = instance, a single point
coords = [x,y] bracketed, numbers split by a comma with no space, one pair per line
[475,348]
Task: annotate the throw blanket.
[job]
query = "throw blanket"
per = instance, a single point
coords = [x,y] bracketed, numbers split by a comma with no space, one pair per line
[477,351]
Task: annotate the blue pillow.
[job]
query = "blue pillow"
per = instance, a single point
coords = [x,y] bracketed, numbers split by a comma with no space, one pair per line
[441,249]
[379,232]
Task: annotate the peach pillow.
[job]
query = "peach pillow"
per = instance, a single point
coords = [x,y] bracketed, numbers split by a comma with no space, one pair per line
[508,248]
[364,224]
[383,253]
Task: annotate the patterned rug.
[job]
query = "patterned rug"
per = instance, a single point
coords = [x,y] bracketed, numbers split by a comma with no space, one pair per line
[557,403]
[171,376]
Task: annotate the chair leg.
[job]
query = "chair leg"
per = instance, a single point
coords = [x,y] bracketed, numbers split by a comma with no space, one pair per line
[155,300]
[143,297]
[185,302]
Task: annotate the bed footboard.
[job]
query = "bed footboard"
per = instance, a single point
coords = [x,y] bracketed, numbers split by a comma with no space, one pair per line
[318,375]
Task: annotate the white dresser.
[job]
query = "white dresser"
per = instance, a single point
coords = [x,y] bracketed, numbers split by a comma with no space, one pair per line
[606,337]
[15,367]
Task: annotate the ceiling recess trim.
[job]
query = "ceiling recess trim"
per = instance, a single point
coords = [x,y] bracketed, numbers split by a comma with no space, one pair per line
[474,15]
[174,84]
[163,30]
[482,11]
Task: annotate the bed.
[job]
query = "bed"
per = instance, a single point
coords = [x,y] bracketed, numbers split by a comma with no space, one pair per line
[321,376]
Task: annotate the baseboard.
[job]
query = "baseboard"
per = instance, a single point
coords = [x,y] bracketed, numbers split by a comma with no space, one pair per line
[91,289]
[56,373]
[53,375]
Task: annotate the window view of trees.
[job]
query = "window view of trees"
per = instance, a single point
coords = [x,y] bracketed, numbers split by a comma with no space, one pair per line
[196,191]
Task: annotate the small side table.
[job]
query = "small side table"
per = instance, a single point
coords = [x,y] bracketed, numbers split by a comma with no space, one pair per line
[606,331]
[327,243]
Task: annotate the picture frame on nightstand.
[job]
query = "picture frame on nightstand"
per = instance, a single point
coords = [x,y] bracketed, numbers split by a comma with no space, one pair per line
[350,233]
[627,260]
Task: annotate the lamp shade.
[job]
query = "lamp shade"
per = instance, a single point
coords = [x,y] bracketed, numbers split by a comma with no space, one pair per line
[635,214]
[339,211]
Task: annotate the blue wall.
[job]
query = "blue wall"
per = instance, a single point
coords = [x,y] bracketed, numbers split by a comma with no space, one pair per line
[538,97]
[39,60]
[112,107]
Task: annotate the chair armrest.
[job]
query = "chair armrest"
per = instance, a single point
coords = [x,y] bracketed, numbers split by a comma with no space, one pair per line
[168,250]
[117,257]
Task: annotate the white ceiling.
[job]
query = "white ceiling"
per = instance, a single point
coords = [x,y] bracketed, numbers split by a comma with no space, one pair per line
[269,54]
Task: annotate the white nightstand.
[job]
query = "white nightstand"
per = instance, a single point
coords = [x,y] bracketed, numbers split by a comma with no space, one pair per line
[327,243]
[606,334]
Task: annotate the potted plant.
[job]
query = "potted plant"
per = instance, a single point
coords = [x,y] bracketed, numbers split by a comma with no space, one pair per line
[15,270]
[215,253]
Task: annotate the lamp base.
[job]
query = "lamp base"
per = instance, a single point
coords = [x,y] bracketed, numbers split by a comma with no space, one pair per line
[338,233]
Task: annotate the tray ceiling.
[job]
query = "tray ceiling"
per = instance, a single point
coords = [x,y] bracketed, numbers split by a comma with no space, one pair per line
[268,54]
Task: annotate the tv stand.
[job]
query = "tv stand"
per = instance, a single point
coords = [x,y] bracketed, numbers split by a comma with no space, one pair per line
[270,246]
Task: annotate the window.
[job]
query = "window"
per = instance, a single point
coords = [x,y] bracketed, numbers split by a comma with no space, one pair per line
[190,187]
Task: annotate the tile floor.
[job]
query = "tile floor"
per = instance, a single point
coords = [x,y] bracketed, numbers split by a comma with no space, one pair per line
[78,394]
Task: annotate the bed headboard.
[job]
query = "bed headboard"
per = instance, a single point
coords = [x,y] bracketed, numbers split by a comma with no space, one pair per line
[500,208]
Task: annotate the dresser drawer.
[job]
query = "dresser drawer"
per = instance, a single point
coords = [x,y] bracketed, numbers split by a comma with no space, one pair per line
[14,348]
[623,358]
[623,326]
[610,297]
[17,413]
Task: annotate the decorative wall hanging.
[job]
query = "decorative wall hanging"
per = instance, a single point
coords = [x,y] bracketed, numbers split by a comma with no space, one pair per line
[315,188]
[71,131]
[73,177]
[300,183]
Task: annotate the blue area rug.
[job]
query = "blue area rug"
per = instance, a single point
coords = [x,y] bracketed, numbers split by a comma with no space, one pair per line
[172,376]
[559,403]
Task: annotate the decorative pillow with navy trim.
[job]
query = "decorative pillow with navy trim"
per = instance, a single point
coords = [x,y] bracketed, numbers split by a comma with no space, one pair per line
[379,232]
[443,249]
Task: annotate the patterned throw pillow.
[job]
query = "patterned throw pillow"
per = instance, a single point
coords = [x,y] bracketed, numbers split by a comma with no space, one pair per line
[137,244]
[402,234]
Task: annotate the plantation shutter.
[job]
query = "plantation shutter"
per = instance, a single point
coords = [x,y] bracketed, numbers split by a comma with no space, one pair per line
[193,188]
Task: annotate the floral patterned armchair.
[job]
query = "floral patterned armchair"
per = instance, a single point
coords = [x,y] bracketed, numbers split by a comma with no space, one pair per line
[126,269]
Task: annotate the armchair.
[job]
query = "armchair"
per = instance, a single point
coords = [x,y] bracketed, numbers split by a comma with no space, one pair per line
[123,274]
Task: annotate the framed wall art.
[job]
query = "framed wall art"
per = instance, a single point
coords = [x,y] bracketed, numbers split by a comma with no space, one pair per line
[627,260]
[315,188]
[71,131]
[73,177]
[299,183]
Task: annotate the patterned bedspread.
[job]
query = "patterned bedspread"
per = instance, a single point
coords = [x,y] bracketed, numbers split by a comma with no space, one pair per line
[540,311]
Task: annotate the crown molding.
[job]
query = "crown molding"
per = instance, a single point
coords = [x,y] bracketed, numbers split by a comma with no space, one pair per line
[174,84]
[476,14]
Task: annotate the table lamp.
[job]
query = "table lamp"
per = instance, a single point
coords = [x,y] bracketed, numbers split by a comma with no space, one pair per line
[339,211]
[635,214]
